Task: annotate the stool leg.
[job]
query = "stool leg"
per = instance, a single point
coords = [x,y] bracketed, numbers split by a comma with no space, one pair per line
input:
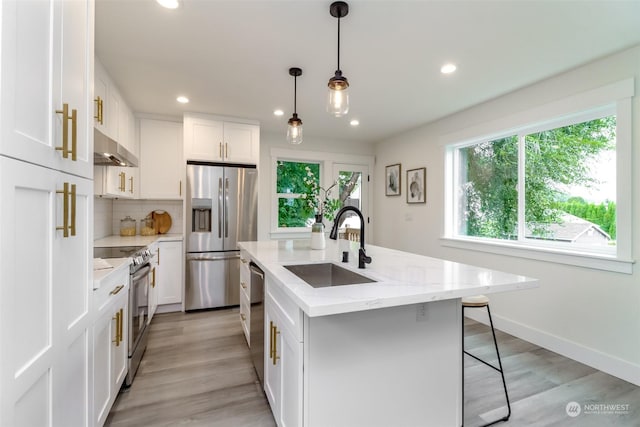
[504,383]
[499,368]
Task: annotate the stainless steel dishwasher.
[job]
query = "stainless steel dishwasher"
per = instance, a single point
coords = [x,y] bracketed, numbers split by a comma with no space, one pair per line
[256,325]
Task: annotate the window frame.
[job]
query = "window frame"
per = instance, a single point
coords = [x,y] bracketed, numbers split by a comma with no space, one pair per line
[326,160]
[615,99]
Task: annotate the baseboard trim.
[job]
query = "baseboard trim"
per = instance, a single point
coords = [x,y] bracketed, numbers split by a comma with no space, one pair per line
[596,359]
[169,308]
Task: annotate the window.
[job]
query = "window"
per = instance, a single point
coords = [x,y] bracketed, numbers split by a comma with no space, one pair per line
[293,211]
[549,186]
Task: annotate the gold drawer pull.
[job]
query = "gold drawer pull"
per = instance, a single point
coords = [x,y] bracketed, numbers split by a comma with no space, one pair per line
[243,317]
[116,289]
[244,285]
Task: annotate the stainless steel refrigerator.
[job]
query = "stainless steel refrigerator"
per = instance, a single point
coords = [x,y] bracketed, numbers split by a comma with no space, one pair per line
[222,210]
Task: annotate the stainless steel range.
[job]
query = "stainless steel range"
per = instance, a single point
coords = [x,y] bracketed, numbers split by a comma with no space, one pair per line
[139,282]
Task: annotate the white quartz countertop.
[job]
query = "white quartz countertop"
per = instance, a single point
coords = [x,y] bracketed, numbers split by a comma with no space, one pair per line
[117,265]
[401,278]
[115,241]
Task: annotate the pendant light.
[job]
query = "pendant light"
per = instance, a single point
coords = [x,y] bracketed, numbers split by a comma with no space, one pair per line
[338,99]
[294,132]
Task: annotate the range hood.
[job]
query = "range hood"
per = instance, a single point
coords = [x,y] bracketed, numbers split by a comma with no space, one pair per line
[107,152]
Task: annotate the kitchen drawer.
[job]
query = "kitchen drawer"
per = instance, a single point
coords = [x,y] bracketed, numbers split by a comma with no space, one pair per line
[111,287]
[245,316]
[289,311]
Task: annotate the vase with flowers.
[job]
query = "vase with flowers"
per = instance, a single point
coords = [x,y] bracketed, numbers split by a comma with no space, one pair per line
[319,202]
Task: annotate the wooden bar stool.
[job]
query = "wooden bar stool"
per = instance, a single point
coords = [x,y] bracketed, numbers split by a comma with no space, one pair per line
[480,301]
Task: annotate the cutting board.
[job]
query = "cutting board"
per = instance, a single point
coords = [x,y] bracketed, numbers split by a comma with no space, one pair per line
[162,221]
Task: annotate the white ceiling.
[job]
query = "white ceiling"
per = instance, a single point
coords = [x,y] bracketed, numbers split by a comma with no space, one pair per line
[232,57]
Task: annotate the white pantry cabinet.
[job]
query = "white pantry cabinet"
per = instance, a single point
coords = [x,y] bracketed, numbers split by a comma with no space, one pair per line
[47,58]
[170,272]
[45,283]
[46,70]
[208,138]
[162,169]
[110,338]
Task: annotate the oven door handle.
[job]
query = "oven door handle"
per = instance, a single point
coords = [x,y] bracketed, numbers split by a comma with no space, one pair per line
[141,273]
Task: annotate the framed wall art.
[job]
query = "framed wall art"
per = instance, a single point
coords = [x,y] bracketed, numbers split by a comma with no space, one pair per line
[417,185]
[392,180]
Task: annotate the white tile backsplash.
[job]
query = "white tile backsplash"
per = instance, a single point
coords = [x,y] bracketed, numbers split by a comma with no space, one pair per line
[102,217]
[139,209]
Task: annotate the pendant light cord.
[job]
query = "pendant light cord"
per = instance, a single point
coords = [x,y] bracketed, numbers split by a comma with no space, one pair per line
[295,94]
[338,43]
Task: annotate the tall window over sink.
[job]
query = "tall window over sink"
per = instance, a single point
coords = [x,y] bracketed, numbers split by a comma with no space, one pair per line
[556,183]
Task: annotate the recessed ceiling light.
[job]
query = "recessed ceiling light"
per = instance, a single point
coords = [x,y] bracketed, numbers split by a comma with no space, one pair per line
[354,122]
[448,68]
[182,99]
[169,4]
[278,113]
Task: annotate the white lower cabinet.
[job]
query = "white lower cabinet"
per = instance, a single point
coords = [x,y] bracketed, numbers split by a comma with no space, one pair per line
[110,342]
[170,273]
[283,372]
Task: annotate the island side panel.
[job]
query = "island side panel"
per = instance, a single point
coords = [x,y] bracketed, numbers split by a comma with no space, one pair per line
[397,366]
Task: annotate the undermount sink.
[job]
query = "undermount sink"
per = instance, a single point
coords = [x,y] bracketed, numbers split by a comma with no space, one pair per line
[327,274]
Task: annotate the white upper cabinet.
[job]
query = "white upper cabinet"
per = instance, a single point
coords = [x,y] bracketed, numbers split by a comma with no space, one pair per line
[161,166]
[208,138]
[112,115]
[46,83]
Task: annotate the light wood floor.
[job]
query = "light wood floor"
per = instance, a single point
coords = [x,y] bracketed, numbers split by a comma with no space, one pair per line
[197,371]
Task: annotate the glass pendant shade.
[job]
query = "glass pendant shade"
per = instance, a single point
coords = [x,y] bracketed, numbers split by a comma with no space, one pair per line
[338,97]
[294,131]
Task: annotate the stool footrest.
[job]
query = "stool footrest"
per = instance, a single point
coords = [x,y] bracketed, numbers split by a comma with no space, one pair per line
[480,360]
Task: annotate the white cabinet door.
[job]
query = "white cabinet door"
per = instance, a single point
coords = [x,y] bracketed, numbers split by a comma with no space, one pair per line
[170,280]
[272,369]
[109,356]
[161,165]
[241,143]
[47,52]
[43,379]
[203,139]
[209,139]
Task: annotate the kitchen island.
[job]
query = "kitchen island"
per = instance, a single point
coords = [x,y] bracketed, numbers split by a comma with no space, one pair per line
[386,353]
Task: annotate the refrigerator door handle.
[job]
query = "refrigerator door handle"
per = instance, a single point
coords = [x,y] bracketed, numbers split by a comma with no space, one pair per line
[220,208]
[226,207]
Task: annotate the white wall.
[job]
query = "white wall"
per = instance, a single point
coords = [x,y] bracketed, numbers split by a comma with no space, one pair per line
[589,315]
[278,140]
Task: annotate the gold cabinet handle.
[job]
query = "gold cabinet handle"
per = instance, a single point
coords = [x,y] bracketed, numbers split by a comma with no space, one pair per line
[244,285]
[121,324]
[74,135]
[276,332]
[131,182]
[65,130]
[99,103]
[116,289]
[244,261]
[158,256]
[121,187]
[72,226]
[117,318]
[226,150]
[243,317]
[180,188]
[271,340]
[153,277]
[65,209]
